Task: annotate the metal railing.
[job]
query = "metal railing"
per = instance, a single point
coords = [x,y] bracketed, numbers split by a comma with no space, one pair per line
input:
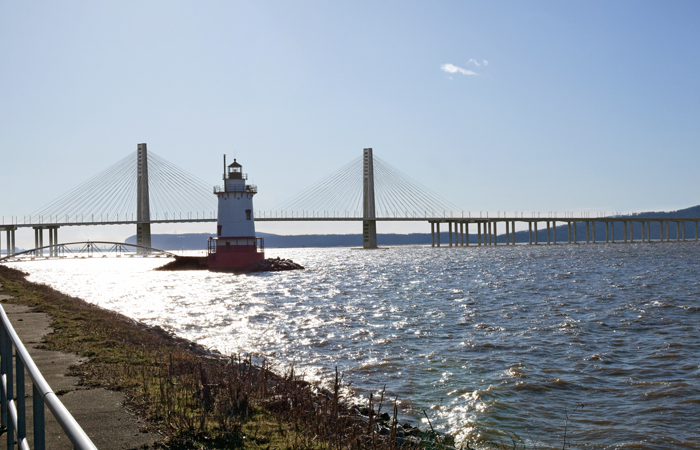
[247,189]
[14,417]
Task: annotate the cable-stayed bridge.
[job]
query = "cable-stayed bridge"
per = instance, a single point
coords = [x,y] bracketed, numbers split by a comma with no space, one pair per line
[144,188]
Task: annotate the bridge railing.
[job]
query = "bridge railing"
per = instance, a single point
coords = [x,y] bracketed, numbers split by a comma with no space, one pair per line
[261,214]
[82,219]
[13,408]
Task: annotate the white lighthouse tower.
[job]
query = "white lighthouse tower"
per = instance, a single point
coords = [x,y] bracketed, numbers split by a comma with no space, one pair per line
[235,245]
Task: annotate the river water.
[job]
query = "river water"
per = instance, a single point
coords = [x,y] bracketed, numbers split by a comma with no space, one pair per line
[484,341]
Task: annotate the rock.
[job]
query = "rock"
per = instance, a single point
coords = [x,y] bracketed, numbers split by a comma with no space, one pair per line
[186,263]
[273,265]
[202,263]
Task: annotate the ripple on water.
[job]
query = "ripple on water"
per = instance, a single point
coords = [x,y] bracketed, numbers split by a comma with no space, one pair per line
[487,341]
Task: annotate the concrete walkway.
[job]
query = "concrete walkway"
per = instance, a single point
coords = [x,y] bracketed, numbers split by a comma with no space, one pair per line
[100,412]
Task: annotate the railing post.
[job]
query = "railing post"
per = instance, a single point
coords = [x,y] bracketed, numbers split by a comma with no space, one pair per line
[10,392]
[38,419]
[4,338]
[21,406]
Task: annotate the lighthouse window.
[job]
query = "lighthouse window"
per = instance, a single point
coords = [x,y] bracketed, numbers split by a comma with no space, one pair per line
[218,230]
[247,214]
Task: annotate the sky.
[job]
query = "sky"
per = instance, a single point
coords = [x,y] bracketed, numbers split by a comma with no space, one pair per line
[497,106]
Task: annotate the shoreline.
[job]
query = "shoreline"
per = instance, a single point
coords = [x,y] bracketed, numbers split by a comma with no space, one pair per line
[197,397]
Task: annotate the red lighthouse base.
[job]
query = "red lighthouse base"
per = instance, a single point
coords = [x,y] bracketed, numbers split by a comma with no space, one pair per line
[234,254]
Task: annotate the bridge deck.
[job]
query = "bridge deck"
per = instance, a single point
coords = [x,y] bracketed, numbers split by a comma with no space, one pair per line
[378,219]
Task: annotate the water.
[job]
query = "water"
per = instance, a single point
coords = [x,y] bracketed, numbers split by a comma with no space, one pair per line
[486,341]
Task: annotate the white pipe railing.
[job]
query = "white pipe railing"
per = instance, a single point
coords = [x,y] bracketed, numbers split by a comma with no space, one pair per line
[13,410]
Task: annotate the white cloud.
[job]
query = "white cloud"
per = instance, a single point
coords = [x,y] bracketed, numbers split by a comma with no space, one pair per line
[450,68]
[477,63]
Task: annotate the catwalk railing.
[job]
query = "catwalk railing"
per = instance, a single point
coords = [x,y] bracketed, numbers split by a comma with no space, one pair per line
[14,412]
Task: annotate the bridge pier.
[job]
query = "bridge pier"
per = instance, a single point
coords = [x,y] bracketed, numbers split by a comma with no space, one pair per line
[143,209]
[432,234]
[631,230]
[437,225]
[449,230]
[55,240]
[39,240]
[369,234]
[369,225]
[548,232]
[10,235]
[612,232]
[661,231]
[607,239]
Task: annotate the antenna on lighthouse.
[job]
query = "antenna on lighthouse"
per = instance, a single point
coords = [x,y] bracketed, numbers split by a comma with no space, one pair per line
[224,166]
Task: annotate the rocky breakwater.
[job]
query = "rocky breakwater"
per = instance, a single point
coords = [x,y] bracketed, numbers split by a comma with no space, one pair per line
[201,263]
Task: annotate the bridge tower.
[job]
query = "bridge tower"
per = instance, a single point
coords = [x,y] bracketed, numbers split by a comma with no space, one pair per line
[235,245]
[143,209]
[369,222]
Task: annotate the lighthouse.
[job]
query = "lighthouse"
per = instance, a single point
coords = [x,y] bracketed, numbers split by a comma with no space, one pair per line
[235,245]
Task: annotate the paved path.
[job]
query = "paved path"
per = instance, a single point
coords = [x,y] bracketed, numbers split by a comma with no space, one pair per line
[99,411]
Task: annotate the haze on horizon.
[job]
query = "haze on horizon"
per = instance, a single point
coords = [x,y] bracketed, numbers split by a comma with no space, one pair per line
[498,106]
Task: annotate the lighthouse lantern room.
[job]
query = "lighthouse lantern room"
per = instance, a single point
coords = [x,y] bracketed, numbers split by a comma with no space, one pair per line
[235,245]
